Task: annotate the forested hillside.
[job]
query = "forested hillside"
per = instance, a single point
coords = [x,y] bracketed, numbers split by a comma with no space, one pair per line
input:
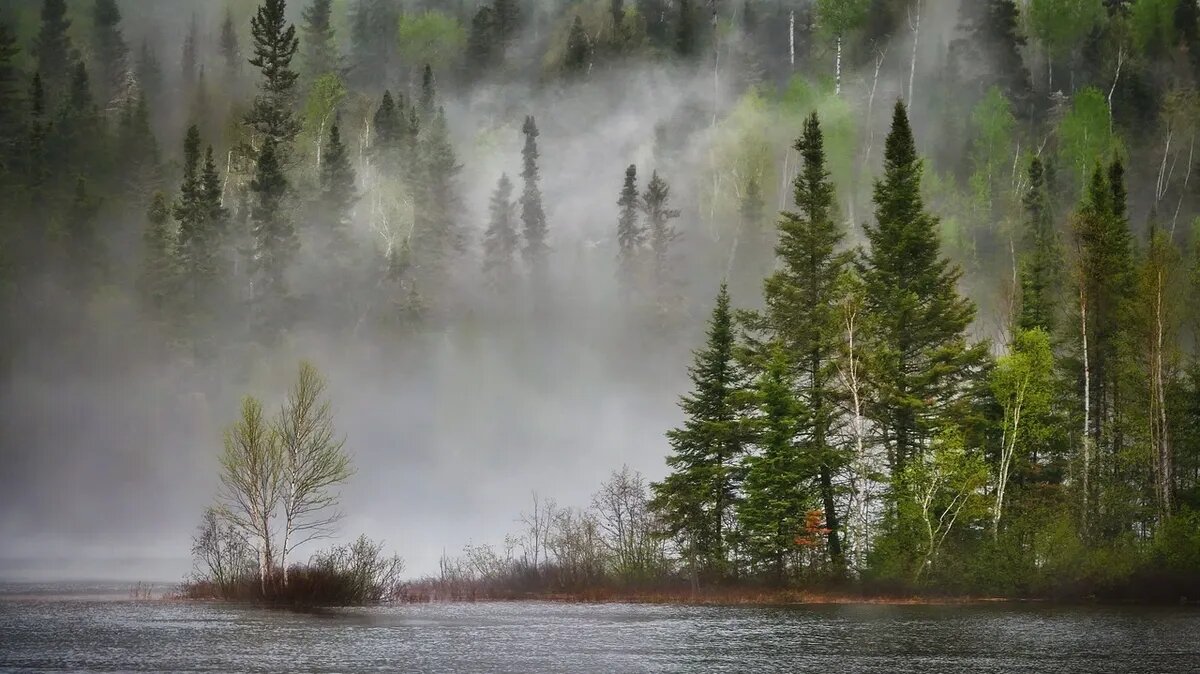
[955,249]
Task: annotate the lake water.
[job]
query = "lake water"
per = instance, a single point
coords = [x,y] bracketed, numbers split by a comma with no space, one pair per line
[101,629]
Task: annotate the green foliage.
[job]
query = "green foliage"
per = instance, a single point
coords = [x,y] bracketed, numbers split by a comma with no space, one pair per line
[274,43]
[992,150]
[1085,134]
[1060,25]
[697,497]
[1153,24]
[920,356]
[320,55]
[500,240]
[431,37]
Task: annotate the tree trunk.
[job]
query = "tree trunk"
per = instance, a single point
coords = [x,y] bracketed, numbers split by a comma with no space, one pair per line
[912,68]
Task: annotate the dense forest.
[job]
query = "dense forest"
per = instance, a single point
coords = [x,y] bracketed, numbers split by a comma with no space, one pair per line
[955,249]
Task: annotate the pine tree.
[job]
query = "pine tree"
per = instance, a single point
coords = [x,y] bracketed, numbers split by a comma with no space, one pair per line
[137,145]
[189,61]
[10,100]
[533,216]
[149,75]
[481,43]
[631,236]
[52,48]
[437,232]
[158,261]
[275,43]
[275,243]
[201,218]
[428,98]
[697,497]
[920,356]
[320,48]
[231,53]
[110,49]
[500,241]
[507,21]
[388,126]
[685,30]
[337,197]
[658,216]
[779,485]
[801,314]
[989,53]
[577,61]
[1041,262]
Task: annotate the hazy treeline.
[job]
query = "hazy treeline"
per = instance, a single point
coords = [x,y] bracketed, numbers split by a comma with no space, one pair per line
[196,188]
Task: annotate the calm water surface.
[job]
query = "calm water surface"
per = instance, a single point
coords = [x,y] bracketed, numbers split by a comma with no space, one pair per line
[43,628]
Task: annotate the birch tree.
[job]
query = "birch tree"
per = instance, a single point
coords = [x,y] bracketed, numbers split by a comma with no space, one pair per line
[1023,385]
[313,464]
[251,482]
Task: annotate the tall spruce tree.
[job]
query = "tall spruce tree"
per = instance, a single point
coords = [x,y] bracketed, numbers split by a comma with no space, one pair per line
[1041,257]
[52,47]
[801,315]
[337,195]
[779,486]
[428,98]
[201,219]
[500,241]
[698,496]
[631,236]
[658,215]
[111,51]
[231,52]
[149,74]
[189,60]
[275,242]
[11,103]
[274,43]
[437,232]
[989,52]
[481,43]
[533,215]
[157,278]
[919,357]
[320,48]
[577,61]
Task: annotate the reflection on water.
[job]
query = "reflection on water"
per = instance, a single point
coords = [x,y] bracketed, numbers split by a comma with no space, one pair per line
[44,631]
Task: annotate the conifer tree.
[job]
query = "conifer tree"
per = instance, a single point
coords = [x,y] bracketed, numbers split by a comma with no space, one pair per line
[697,497]
[920,357]
[387,130]
[37,162]
[110,48]
[685,30]
[577,61]
[137,145]
[158,258]
[275,243]
[801,315]
[200,215]
[52,47]
[275,43]
[428,98]
[437,233]
[631,236]
[779,486]
[149,74]
[10,100]
[231,53]
[658,216]
[189,61]
[533,216]
[481,43]
[506,17]
[501,241]
[989,53]
[1041,258]
[320,48]
[337,196]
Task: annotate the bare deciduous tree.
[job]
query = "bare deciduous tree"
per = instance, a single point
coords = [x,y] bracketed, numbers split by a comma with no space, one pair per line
[251,480]
[314,463]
